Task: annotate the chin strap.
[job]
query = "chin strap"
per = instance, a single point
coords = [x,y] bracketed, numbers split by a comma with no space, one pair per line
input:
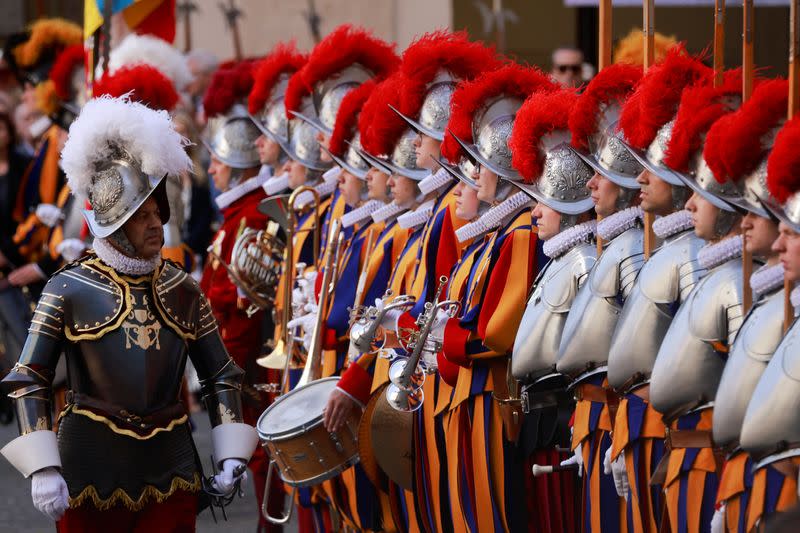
[122,263]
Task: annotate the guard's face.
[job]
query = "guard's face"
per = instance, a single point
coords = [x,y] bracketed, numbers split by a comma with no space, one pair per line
[547,220]
[298,174]
[704,217]
[787,245]
[466,201]
[604,195]
[220,173]
[350,187]
[426,149]
[759,234]
[487,185]
[404,190]
[377,185]
[656,194]
[324,140]
[144,230]
[269,151]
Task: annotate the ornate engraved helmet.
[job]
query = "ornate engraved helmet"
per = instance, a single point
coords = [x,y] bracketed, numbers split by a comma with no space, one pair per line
[594,120]
[554,174]
[647,118]
[231,133]
[303,144]
[483,116]
[783,175]
[342,61]
[271,77]
[118,155]
[345,141]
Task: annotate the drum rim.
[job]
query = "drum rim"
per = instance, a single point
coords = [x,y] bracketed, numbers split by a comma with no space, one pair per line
[294,431]
[325,476]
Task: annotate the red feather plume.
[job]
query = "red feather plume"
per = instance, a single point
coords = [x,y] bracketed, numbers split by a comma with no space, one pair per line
[783,165]
[733,145]
[66,62]
[347,117]
[380,127]
[146,84]
[436,51]
[343,47]
[542,113]
[228,86]
[699,109]
[284,59]
[511,80]
[657,96]
[612,84]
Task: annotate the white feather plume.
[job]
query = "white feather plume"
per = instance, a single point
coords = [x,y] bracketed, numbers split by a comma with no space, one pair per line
[158,53]
[147,135]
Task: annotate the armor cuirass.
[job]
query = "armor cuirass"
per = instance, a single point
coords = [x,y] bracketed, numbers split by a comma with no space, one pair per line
[691,358]
[590,323]
[663,283]
[539,334]
[772,419]
[751,351]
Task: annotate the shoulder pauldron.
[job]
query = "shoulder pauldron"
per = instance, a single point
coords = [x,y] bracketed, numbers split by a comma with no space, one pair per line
[180,302]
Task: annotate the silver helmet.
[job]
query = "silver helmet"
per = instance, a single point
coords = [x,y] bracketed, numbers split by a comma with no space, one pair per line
[233,138]
[327,95]
[303,144]
[701,180]
[609,157]
[434,114]
[562,184]
[118,189]
[403,159]
[653,158]
[491,129]
[271,120]
[352,160]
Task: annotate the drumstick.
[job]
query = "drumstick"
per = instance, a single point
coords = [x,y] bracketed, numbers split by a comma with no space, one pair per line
[540,470]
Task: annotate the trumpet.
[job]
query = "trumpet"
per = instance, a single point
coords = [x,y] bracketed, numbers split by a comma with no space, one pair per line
[367,320]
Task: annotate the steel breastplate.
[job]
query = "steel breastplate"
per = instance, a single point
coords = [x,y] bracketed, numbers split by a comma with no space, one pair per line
[751,351]
[688,367]
[772,419]
[536,346]
[586,336]
[663,283]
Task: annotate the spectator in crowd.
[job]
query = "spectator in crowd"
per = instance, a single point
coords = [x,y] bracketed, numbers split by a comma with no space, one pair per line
[567,66]
[26,118]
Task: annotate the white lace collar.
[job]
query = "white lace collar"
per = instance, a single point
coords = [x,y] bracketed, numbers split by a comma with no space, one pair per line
[276,184]
[434,181]
[234,193]
[417,217]
[324,189]
[388,211]
[714,254]
[569,238]
[766,279]
[361,213]
[672,224]
[122,263]
[615,225]
[494,217]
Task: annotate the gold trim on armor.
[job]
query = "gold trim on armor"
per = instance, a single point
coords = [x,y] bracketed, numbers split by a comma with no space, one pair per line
[116,429]
[125,305]
[120,496]
[158,292]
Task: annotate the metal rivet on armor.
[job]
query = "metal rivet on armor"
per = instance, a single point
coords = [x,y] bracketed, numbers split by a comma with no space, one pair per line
[64,285]
[97,323]
[108,318]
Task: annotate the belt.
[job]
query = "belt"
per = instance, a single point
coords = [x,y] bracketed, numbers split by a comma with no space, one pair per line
[688,438]
[158,418]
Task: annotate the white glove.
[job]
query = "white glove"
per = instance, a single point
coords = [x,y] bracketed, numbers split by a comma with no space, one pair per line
[576,459]
[718,520]
[307,323]
[439,323]
[49,214]
[49,493]
[224,481]
[71,249]
[618,470]
[307,284]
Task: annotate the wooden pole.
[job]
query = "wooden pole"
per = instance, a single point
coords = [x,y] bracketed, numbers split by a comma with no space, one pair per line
[747,89]
[719,41]
[794,105]
[649,29]
[603,60]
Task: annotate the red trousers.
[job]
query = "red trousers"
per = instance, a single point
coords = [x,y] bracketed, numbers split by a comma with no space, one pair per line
[176,514]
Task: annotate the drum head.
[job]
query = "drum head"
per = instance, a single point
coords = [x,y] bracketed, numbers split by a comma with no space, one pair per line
[300,408]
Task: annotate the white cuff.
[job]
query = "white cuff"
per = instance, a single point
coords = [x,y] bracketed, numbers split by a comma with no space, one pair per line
[33,451]
[233,440]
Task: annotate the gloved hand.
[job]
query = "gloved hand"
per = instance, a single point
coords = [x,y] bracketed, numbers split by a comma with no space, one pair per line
[49,493]
[306,322]
[618,470]
[576,459]
[71,249]
[49,214]
[224,481]
[307,284]
[718,520]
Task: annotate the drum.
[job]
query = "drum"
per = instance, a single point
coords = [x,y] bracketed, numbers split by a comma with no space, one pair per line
[304,452]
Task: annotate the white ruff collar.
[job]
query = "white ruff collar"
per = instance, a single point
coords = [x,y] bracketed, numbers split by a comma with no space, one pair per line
[795,297]
[276,184]
[417,217]
[672,224]
[324,190]
[387,212]
[569,239]
[360,214]
[123,263]
[712,255]
[434,181]
[615,225]
[228,197]
[765,280]
[494,217]
[332,175]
